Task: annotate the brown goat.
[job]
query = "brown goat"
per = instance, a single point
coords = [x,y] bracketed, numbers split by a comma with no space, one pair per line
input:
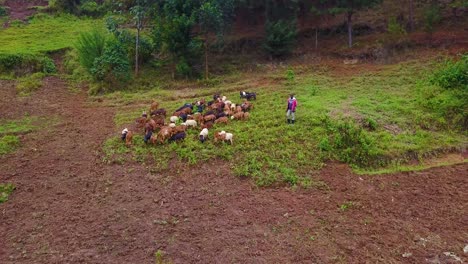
[164,134]
[208,125]
[238,109]
[238,116]
[140,122]
[209,118]
[154,106]
[178,129]
[128,138]
[222,120]
[246,115]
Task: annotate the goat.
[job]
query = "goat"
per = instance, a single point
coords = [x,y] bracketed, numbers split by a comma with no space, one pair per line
[238,116]
[248,95]
[165,133]
[222,120]
[179,129]
[190,123]
[178,136]
[209,118]
[208,124]
[223,136]
[154,106]
[128,138]
[159,112]
[174,119]
[203,135]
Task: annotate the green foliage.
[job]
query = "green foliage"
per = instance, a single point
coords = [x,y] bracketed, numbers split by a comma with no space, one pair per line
[432,17]
[8,144]
[290,76]
[90,46]
[113,67]
[68,6]
[30,83]
[5,190]
[21,64]
[280,37]
[16,126]
[3,11]
[452,74]
[449,92]
[351,143]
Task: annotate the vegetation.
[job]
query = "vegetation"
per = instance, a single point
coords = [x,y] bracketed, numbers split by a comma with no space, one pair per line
[368,120]
[5,191]
[280,38]
[9,131]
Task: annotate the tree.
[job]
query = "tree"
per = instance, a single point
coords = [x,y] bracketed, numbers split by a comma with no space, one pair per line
[349,7]
[138,12]
[432,17]
[280,37]
[319,9]
[411,15]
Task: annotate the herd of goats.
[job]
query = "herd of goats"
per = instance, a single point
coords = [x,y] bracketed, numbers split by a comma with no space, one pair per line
[198,115]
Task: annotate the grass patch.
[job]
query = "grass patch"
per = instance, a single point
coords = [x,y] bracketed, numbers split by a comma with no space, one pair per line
[21,126]
[5,191]
[44,33]
[369,120]
[8,144]
[27,85]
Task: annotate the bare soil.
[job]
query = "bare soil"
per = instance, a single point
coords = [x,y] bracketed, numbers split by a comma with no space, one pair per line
[70,207]
[22,9]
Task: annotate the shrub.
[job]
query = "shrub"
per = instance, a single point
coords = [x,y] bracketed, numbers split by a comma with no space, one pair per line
[113,67]
[90,46]
[22,64]
[448,94]
[3,11]
[350,143]
[280,38]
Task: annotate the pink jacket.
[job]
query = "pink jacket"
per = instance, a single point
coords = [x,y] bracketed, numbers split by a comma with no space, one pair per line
[292,104]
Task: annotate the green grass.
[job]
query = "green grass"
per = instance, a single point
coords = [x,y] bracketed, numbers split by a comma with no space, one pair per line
[369,119]
[9,130]
[8,144]
[5,191]
[44,33]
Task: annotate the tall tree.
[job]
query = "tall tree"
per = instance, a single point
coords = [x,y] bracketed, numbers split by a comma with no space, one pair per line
[349,7]
[319,9]
[411,15]
[213,18]
[138,12]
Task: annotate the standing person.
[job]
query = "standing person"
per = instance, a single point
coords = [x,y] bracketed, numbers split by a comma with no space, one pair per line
[291,110]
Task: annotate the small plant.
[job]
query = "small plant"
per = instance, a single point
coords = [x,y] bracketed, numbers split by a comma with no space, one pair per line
[290,76]
[30,83]
[347,205]
[8,144]
[5,191]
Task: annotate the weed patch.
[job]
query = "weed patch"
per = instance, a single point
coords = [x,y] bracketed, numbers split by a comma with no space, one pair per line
[8,144]
[5,191]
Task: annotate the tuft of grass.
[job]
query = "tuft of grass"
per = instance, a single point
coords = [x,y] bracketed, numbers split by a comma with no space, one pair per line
[29,84]
[8,144]
[21,126]
[5,190]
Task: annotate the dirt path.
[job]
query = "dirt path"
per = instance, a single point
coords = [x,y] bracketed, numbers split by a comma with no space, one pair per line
[69,207]
[21,9]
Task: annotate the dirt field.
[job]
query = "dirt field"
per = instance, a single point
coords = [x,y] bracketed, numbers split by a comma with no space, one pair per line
[70,207]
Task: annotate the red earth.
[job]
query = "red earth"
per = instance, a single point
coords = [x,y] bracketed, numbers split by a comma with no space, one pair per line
[22,9]
[71,207]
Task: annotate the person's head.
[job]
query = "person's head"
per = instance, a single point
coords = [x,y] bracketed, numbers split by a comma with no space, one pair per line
[291,96]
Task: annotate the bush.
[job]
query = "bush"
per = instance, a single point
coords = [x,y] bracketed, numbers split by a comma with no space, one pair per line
[280,38]
[113,67]
[452,74]
[448,94]
[90,45]
[22,64]
[68,6]
[3,11]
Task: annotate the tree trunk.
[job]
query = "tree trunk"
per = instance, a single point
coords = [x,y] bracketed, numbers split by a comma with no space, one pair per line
[206,57]
[350,29]
[411,16]
[316,38]
[136,50]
